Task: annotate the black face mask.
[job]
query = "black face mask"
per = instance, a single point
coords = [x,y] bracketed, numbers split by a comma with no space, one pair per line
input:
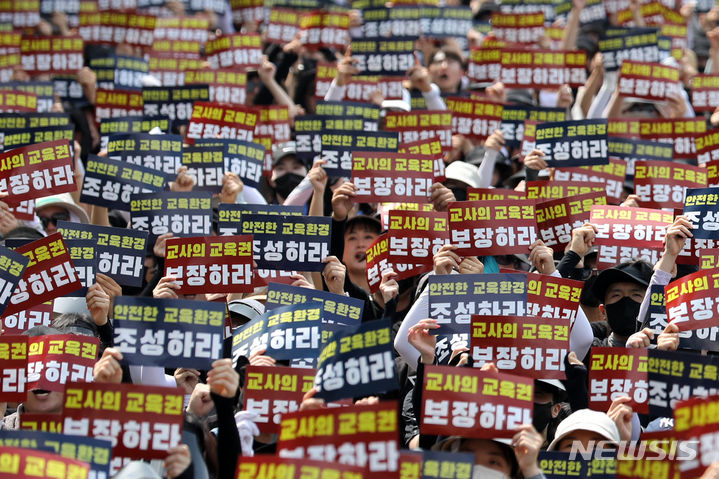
[622,316]
[286,183]
[541,415]
[460,194]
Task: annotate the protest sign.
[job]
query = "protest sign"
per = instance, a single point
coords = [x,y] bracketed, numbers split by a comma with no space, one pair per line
[356,362]
[377,260]
[133,124]
[416,236]
[611,175]
[230,222]
[13,352]
[705,92]
[421,125]
[37,170]
[175,102]
[114,103]
[275,467]
[700,209]
[618,372]
[286,332]
[387,177]
[523,345]
[692,300]
[235,50]
[38,315]
[663,184]
[95,452]
[49,274]
[337,148]
[364,436]
[120,252]
[553,297]
[651,81]
[492,227]
[629,233]
[474,119]
[288,242]
[142,422]
[243,158]
[542,69]
[574,143]
[210,264]
[214,120]
[110,183]
[483,404]
[557,218]
[271,392]
[454,299]
[20,463]
[179,213]
[168,332]
[57,359]
[337,310]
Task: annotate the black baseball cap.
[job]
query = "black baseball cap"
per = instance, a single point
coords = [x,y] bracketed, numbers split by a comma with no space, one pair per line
[638,271]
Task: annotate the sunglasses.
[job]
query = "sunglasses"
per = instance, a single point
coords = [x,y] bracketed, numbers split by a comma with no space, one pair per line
[54,219]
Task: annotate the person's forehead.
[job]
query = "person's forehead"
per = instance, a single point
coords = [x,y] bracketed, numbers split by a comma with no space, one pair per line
[360,228]
[289,161]
[51,209]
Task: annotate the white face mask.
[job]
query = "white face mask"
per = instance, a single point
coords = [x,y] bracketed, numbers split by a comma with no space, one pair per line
[482,472]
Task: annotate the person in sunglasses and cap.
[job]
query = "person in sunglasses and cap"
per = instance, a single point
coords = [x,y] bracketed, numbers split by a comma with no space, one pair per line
[52,209]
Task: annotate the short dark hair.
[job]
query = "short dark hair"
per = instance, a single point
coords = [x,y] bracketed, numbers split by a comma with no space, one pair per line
[363,222]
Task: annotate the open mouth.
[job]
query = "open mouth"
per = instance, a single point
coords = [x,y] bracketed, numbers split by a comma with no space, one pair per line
[360,257]
[444,76]
[41,393]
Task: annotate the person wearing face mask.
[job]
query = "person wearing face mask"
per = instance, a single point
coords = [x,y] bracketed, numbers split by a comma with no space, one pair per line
[501,458]
[287,171]
[548,396]
[621,289]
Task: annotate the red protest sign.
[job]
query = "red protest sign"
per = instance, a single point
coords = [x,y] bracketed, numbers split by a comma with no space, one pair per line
[542,68]
[226,86]
[54,55]
[236,50]
[475,119]
[421,125]
[13,353]
[142,422]
[49,275]
[693,300]
[557,218]
[712,171]
[518,27]
[618,372]
[431,147]
[38,315]
[56,359]
[17,462]
[41,422]
[212,120]
[652,81]
[364,436]
[416,236]
[705,92]
[708,258]
[553,297]
[611,176]
[523,345]
[17,101]
[695,420]
[480,228]
[679,131]
[484,64]
[627,233]
[474,403]
[663,184]
[391,177]
[216,264]
[115,27]
[283,25]
[559,189]
[361,88]
[275,467]
[377,261]
[489,194]
[271,392]
[36,171]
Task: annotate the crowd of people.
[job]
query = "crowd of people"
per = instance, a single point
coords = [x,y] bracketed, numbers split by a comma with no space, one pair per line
[612,310]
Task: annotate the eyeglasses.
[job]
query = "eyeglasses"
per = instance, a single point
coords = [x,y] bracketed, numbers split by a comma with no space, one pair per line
[54,219]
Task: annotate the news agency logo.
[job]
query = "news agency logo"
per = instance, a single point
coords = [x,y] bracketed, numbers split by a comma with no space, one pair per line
[654,450]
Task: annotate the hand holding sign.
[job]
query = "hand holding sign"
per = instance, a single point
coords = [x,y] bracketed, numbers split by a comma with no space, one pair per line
[419,76]
[346,68]
[108,369]
[223,379]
